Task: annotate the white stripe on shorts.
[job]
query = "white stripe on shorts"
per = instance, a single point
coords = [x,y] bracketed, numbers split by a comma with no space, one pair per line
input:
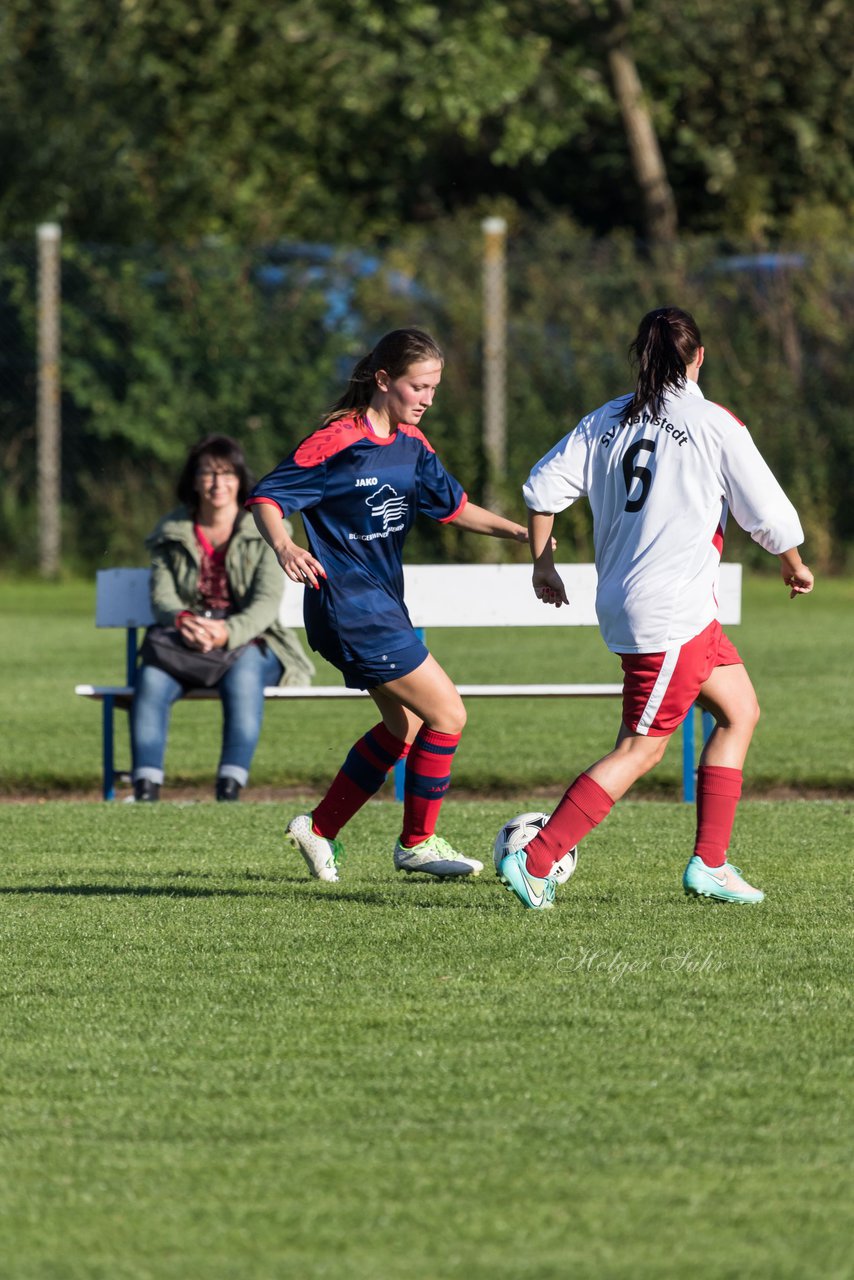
[659,689]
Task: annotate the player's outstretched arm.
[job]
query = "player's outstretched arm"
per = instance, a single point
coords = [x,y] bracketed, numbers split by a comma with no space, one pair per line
[476,519]
[547,582]
[795,573]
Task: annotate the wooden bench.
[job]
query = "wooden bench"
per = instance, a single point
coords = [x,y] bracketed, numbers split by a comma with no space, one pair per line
[482,595]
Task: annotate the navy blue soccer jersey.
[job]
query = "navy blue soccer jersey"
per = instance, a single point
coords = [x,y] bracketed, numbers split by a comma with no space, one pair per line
[359,494]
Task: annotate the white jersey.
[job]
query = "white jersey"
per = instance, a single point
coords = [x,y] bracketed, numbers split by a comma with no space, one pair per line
[659,489]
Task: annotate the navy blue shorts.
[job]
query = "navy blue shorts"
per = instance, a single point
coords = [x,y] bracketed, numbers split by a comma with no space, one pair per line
[368,673]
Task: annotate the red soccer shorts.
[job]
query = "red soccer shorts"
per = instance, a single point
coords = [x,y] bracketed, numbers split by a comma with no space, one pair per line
[659,689]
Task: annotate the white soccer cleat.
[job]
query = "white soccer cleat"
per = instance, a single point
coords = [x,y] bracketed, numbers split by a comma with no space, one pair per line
[321,855]
[435,857]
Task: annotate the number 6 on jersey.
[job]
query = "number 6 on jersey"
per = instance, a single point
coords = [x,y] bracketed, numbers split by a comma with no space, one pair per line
[632,472]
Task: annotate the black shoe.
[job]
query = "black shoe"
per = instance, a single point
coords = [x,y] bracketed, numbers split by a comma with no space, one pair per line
[227,789]
[145,791]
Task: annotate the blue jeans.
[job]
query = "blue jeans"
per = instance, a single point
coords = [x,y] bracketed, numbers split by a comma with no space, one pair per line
[241,692]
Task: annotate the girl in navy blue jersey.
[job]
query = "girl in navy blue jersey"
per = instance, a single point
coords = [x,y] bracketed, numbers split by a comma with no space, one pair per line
[359,482]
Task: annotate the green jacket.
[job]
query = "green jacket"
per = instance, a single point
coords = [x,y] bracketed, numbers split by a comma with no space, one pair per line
[254,576]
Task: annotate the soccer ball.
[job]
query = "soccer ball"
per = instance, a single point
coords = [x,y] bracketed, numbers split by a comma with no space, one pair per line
[520,831]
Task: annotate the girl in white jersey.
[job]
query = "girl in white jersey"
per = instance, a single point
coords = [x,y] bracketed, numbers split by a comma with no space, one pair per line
[660,469]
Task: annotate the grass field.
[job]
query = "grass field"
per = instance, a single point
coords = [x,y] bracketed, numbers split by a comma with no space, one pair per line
[213,1067]
[798,653]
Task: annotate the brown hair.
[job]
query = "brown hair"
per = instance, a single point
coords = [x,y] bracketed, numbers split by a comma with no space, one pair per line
[394,353]
[223,449]
[667,341]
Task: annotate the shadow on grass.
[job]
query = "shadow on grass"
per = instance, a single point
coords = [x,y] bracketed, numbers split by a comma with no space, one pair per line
[443,894]
[400,894]
[132,890]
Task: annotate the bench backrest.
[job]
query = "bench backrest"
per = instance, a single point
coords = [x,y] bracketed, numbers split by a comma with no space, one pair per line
[453,595]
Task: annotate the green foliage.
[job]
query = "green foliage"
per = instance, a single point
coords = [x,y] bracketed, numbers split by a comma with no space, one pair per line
[157,122]
[213,1066]
[776,338]
[187,129]
[755,104]
[163,346]
[17,404]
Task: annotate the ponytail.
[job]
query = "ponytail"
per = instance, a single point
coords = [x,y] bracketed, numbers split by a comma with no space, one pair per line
[667,341]
[394,353]
[357,397]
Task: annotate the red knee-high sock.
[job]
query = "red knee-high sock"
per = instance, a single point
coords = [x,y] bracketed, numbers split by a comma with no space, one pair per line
[718,794]
[361,776]
[428,776]
[582,808]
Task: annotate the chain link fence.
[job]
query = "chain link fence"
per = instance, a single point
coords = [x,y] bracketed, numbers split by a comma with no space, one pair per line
[162,345]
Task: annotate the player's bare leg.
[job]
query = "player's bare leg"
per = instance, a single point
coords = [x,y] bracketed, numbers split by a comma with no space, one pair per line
[634,754]
[425,708]
[729,695]
[426,695]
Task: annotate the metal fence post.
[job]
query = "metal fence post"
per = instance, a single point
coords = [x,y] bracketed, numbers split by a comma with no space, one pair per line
[494,353]
[48,409]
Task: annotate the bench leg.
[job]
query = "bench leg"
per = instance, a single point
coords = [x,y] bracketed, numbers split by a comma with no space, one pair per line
[708,725]
[689,782]
[107,720]
[689,773]
[130,655]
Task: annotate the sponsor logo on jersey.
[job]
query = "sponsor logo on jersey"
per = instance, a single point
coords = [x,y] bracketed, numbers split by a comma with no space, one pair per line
[387,505]
[678,434]
[390,507]
[366,481]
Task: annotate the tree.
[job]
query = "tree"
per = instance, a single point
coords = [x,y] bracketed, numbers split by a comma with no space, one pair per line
[169,120]
[647,162]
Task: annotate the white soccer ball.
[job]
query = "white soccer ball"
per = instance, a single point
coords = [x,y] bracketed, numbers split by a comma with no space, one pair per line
[519,832]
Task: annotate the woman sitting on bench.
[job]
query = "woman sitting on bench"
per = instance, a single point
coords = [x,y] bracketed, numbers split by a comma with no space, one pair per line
[216,589]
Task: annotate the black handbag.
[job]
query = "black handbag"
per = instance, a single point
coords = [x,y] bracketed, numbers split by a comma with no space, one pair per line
[164,648]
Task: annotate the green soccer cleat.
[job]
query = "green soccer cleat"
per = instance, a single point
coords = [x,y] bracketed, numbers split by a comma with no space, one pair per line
[723,883]
[531,891]
[435,857]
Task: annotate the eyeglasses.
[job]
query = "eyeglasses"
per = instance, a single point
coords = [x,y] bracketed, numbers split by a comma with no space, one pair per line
[223,475]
